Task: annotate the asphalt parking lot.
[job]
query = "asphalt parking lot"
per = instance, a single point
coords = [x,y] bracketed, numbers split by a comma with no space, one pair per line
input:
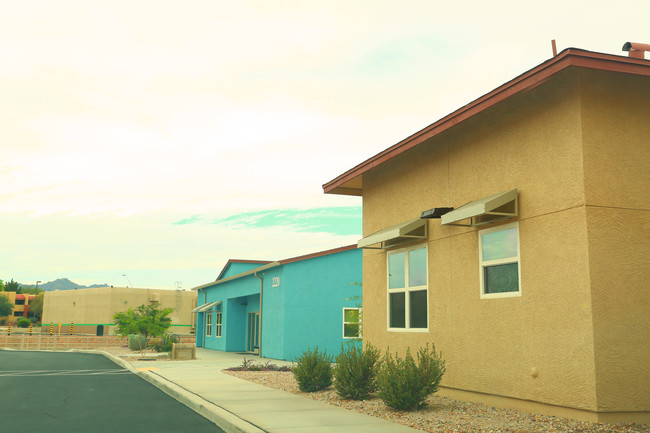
[85,392]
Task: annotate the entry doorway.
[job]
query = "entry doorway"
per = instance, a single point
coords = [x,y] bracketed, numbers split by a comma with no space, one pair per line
[253,334]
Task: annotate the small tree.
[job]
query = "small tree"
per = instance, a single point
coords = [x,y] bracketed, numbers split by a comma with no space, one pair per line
[36,307]
[146,320]
[6,307]
[12,286]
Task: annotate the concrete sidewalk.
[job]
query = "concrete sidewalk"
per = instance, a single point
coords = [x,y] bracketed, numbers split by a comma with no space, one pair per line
[238,406]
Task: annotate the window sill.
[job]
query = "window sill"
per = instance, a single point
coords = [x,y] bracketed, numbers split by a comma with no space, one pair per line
[416,330]
[500,295]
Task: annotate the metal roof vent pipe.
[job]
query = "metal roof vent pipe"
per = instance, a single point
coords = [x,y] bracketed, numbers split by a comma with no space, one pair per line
[635,50]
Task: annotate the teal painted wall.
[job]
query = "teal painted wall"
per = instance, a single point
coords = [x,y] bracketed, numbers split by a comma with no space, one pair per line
[273,329]
[199,329]
[233,294]
[316,292]
[303,311]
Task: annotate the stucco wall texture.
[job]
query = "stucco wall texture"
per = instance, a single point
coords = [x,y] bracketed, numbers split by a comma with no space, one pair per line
[92,307]
[576,148]
[617,194]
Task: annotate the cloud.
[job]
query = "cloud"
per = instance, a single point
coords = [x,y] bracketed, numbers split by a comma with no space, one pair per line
[148,248]
[191,220]
[338,221]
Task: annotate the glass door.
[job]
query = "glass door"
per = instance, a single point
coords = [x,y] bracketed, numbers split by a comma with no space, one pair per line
[253,334]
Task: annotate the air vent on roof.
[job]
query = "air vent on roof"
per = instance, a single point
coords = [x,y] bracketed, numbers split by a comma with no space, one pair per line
[636,50]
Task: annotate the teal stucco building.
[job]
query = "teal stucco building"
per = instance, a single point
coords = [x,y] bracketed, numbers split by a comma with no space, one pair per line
[280,309]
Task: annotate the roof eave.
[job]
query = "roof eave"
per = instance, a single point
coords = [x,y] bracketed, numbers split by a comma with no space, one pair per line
[231,261]
[528,80]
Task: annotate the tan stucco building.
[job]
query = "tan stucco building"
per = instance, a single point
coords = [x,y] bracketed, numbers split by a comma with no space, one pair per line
[92,310]
[536,287]
[20,304]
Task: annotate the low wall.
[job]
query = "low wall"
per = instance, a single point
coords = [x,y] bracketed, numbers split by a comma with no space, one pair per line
[24,341]
[59,342]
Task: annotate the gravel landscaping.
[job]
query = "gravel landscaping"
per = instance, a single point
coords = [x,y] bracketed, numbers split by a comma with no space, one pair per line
[442,414]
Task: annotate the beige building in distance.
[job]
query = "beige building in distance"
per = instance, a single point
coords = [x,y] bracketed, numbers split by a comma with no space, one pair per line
[535,285]
[20,306]
[92,310]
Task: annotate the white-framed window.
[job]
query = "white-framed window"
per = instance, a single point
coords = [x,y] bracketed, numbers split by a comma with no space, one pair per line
[208,323]
[499,268]
[408,297]
[352,323]
[276,282]
[218,320]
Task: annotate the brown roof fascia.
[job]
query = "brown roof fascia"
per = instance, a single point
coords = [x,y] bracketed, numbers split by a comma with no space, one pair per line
[526,81]
[261,262]
[318,254]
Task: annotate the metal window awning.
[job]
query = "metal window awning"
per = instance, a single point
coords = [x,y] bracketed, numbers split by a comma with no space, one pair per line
[204,307]
[398,234]
[484,211]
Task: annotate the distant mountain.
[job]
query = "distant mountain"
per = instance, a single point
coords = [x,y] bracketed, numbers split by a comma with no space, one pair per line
[65,284]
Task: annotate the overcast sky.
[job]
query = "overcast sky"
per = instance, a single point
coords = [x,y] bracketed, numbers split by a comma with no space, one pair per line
[158,139]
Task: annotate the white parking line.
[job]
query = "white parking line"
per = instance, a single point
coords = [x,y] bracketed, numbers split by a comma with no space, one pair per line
[33,373]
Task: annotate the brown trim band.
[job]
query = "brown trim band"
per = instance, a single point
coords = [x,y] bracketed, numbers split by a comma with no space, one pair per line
[527,80]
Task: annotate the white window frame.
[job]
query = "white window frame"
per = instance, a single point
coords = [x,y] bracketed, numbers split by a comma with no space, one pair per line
[487,263]
[351,323]
[217,324]
[276,282]
[406,290]
[208,323]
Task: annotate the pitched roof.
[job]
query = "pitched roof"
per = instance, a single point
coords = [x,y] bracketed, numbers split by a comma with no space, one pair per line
[230,261]
[318,254]
[351,182]
[269,265]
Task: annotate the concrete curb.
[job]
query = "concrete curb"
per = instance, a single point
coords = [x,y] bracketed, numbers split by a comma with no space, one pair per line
[116,359]
[225,420]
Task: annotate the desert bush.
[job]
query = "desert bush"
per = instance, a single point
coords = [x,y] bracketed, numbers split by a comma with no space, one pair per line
[137,342]
[355,374]
[313,371]
[405,385]
[165,343]
[249,365]
[24,323]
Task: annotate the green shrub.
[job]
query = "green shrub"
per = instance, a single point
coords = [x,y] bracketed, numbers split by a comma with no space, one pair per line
[166,343]
[137,342]
[355,373]
[405,385]
[313,371]
[24,323]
